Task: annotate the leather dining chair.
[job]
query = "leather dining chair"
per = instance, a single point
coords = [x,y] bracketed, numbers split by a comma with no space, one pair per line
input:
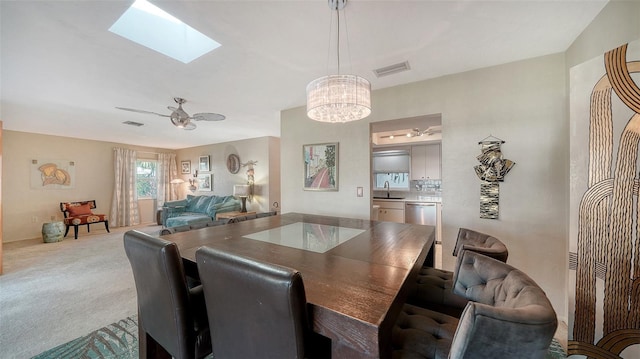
[256,309]
[172,317]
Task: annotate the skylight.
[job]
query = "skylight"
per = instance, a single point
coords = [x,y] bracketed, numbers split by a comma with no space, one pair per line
[150,26]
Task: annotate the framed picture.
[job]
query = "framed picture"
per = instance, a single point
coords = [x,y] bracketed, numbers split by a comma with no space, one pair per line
[205,182]
[203,163]
[320,163]
[186,167]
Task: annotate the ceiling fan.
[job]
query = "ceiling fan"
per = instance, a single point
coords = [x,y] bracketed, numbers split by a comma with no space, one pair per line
[429,131]
[179,117]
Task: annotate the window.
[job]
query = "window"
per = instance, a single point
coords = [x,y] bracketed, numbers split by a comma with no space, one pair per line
[146,178]
[396,180]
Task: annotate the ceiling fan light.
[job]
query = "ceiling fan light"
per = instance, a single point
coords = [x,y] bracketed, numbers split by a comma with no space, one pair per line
[338,98]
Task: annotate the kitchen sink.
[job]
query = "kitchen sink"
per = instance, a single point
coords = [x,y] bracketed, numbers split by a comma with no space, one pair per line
[384,197]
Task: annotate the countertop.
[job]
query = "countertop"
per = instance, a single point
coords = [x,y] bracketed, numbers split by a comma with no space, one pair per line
[412,197]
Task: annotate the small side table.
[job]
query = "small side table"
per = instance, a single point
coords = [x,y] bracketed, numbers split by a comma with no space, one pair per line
[234,214]
[159,216]
[53,232]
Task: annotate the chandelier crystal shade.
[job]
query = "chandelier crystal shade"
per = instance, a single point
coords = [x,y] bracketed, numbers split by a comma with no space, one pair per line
[338,98]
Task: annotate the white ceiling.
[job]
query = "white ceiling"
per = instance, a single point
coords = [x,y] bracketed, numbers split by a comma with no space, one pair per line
[63,73]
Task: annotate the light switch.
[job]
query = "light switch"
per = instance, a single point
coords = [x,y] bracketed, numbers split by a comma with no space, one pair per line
[359,192]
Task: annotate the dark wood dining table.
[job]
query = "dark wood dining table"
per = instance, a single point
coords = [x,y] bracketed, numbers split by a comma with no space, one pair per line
[355,290]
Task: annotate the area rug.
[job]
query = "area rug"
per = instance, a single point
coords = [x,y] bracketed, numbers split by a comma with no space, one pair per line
[120,341]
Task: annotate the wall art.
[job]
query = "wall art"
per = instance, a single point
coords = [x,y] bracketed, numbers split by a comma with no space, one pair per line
[203,163]
[320,163]
[205,182]
[186,167]
[491,171]
[53,174]
[604,244]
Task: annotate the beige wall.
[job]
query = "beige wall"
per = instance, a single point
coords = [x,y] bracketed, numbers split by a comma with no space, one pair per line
[525,103]
[522,103]
[26,208]
[265,150]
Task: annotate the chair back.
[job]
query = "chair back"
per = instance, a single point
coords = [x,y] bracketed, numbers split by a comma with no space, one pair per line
[508,315]
[482,243]
[163,296]
[64,206]
[256,309]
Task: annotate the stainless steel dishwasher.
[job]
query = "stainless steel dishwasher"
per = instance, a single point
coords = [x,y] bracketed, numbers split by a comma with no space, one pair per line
[420,213]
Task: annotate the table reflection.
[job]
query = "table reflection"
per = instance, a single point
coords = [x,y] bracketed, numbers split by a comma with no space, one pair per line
[313,237]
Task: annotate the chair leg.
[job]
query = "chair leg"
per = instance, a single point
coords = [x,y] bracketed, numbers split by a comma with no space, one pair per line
[106,226]
[88,229]
[148,347]
[66,231]
[75,231]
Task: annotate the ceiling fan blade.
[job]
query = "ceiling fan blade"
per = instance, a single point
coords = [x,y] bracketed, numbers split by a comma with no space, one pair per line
[208,117]
[141,111]
[172,108]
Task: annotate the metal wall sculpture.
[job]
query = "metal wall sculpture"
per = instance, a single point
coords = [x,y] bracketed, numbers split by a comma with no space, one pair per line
[491,171]
[605,243]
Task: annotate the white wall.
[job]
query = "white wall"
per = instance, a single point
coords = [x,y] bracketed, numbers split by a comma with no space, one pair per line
[523,103]
[267,170]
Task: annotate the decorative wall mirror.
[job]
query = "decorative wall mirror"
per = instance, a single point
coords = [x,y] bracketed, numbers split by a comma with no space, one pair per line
[233,163]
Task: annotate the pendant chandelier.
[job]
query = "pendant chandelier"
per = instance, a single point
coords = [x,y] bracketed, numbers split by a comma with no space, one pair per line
[338,98]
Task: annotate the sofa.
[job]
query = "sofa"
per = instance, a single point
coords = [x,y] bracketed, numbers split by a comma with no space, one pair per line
[195,210]
[219,222]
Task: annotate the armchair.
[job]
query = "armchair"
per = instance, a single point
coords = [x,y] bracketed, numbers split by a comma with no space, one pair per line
[79,213]
[434,286]
[508,316]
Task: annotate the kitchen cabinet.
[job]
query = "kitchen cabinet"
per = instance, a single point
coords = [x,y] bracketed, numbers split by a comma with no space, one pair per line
[390,211]
[425,162]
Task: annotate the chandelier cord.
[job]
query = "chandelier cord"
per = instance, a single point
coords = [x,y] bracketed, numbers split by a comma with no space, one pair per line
[338,42]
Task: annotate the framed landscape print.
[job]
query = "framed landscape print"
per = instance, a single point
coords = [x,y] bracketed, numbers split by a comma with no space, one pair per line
[203,163]
[320,163]
[186,167]
[205,182]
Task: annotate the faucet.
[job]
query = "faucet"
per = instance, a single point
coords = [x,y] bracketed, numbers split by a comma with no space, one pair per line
[386,185]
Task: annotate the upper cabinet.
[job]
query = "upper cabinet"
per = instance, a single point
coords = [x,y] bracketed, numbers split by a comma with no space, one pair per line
[425,162]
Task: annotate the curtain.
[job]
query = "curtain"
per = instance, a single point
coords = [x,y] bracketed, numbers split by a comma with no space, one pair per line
[124,205]
[167,172]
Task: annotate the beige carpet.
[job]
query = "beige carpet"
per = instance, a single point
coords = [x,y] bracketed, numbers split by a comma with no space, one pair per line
[51,293]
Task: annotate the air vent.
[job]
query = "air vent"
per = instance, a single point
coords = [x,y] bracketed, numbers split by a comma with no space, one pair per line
[392,69]
[132,123]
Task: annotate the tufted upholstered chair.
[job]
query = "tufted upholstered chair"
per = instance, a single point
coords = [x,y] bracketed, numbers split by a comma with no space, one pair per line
[256,309]
[482,243]
[172,318]
[434,286]
[508,316]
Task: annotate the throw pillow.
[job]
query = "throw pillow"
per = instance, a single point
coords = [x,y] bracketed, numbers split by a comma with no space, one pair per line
[81,210]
